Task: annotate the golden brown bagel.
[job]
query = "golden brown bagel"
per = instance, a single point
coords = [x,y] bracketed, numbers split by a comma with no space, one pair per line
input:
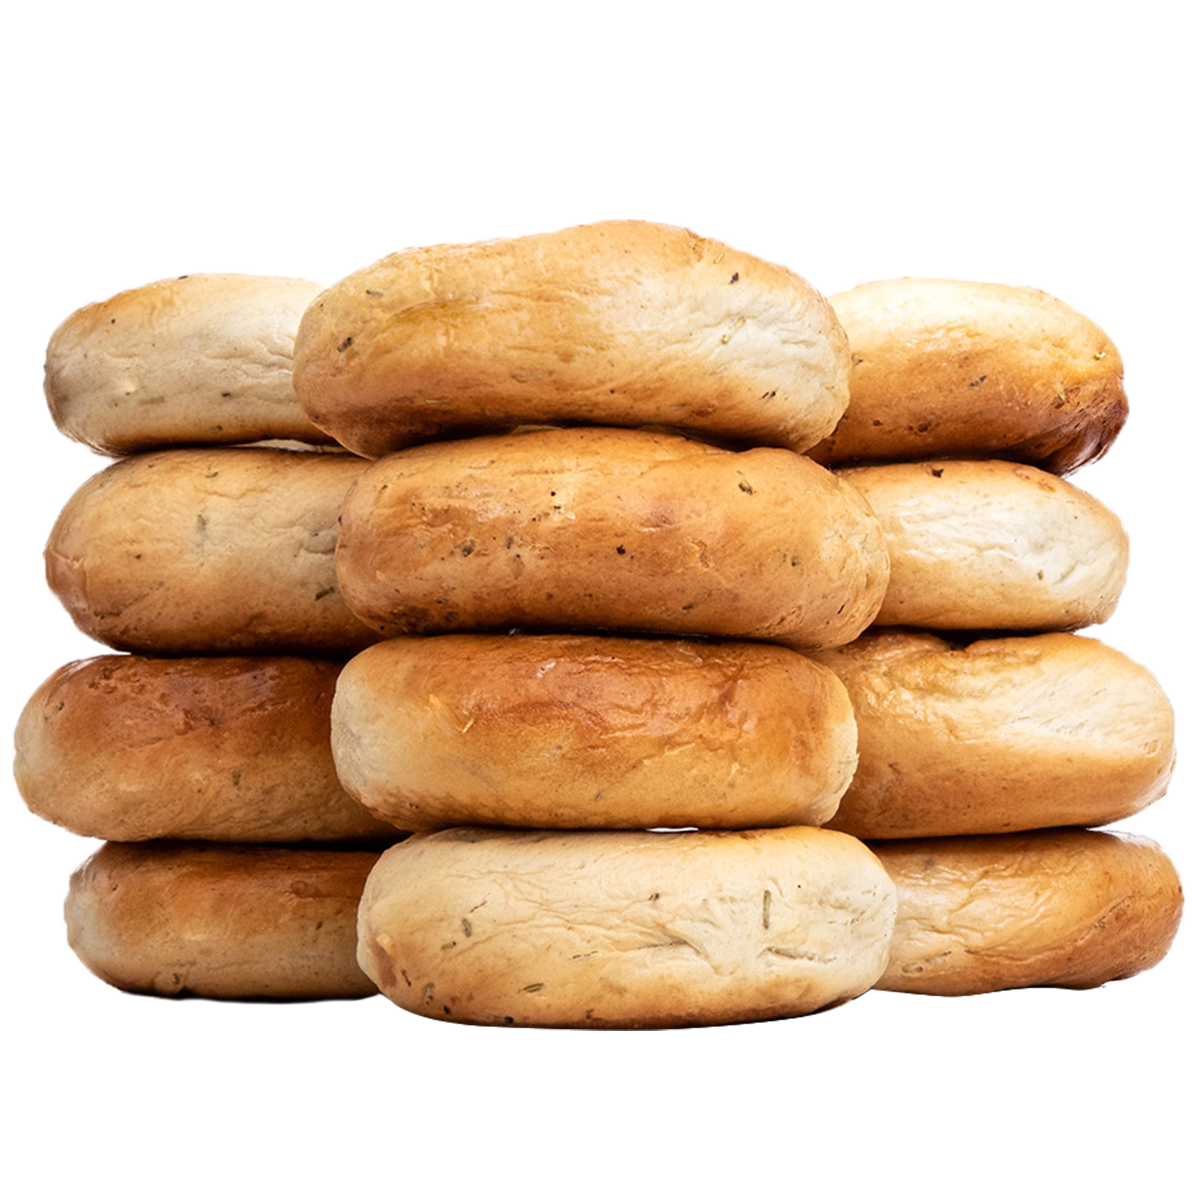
[222,749]
[942,368]
[591,732]
[1000,735]
[619,323]
[227,922]
[610,529]
[1061,908]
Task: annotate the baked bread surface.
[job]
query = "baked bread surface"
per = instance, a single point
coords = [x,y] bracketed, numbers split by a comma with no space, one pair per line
[591,732]
[227,922]
[943,368]
[1061,908]
[610,530]
[201,359]
[225,749]
[217,551]
[992,545]
[998,735]
[618,323]
[624,929]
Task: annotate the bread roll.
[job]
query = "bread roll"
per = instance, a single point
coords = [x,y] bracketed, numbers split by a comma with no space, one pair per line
[620,323]
[624,930]
[202,359]
[227,922]
[591,732]
[208,552]
[964,370]
[999,735]
[1061,908]
[610,529]
[993,545]
[221,749]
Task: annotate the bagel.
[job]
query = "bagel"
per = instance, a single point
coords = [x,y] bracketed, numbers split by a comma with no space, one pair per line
[1066,908]
[944,369]
[624,929]
[999,735]
[220,749]
[219,551]
[609,530]
[201,359]
[619,323]
[992,545]
[227,922]
[591,732]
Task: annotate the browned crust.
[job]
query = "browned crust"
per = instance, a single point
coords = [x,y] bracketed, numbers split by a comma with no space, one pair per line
[223,749]
[1062,908]
[227,922]
[943,368]
[624,930]
[617,323]
[999,735]
[992,545]
[591,732]
[610,530]
[220,551]
[200,359]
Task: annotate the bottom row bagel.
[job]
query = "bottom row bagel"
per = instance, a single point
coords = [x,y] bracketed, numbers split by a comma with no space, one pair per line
[625,929]
[620,929]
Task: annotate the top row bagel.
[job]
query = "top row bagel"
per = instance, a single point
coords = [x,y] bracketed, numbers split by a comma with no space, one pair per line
[620,323]
[201,360]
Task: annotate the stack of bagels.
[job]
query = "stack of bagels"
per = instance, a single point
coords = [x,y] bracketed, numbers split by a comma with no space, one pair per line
[590,629]
[234,859]
[991,736]
[602,630]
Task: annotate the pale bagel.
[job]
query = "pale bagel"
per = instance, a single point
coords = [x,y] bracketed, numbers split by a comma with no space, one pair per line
[222,749]
[591,732]
[610,529]
[624,930]
[197,360]
[227,922]
[1000,735]
[1062,908]
[993,545]
[619,323]
[942,368]
[208,552]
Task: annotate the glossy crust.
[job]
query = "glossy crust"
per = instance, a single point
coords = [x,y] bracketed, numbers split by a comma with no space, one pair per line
[202,359]
[619,323]
[999,735]
[221,749]
[227,922]
[208,552]
[1061,908]
[942,368]
[610,529]
[589,732]
[993,545]
[624,930]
